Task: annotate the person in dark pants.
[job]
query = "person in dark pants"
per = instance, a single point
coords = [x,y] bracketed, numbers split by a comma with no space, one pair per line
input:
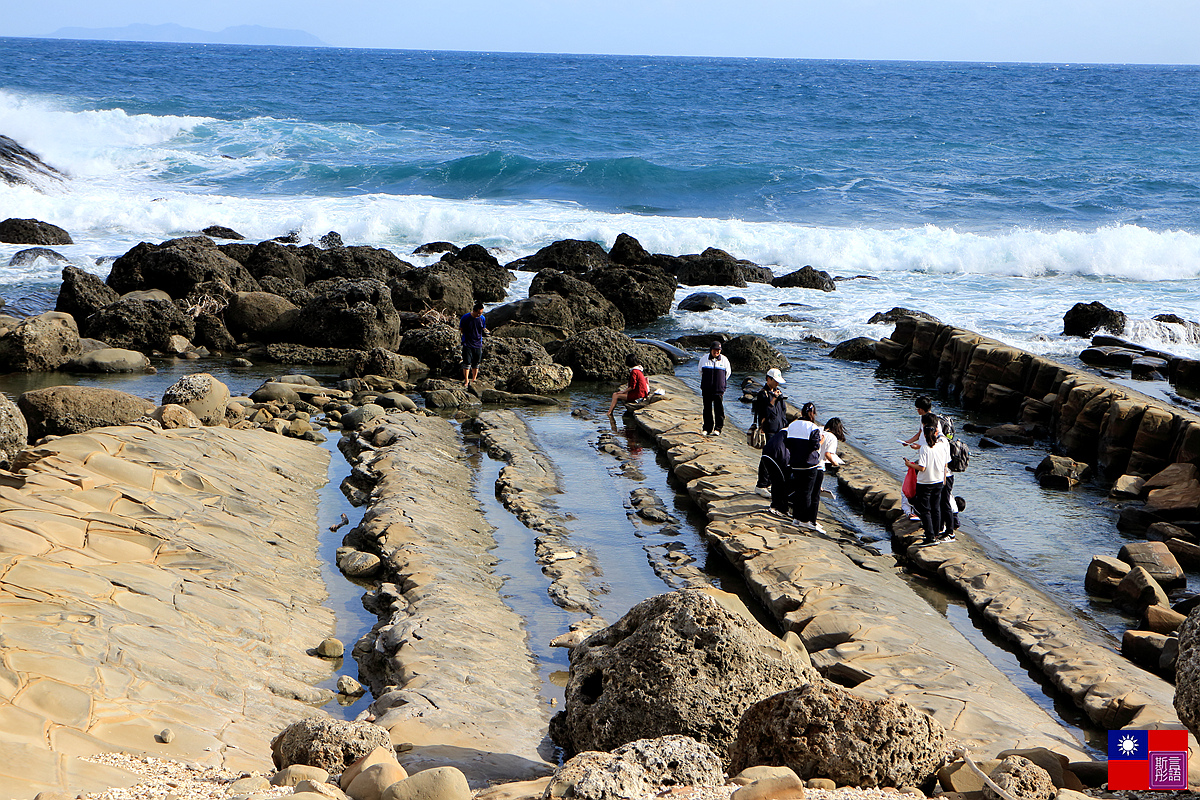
[770,416]
[774,463]
[714,373]
[804,450]
[473,326]
[930,465]
[949,506]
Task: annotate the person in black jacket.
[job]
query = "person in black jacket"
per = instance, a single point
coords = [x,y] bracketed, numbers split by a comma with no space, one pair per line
[804,452]
[770,415]
[714,373]
[774,463]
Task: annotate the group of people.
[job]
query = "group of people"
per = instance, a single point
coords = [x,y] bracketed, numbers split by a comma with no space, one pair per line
[792,467]
[932,484]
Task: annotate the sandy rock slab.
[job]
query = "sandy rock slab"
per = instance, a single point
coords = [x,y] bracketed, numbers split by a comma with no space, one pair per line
[150,581]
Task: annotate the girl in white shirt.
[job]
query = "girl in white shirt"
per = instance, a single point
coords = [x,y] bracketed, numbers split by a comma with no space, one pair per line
[932,459]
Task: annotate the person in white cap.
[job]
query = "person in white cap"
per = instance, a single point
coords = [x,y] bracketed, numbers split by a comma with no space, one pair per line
[770,415]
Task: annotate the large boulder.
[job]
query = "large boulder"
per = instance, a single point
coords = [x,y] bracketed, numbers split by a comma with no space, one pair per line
[352,263]
[331,744]
[32,231]
[489,280]
[643,294]
[275,260]
[109,360]
[255,316]
[806,278]
[752,353]
[39,344]
[637,770]
[628,251]
[83,294]
[439,287]
[896,314]
[1084,319]
[201,394]
[30,256]
[176,266]
[212,333]
[566,255]
[679,663]
[14,431]
[599,355]
[824,731]
[353,314]
[540,379]
[703,301]
[589,308]
[63,410]
[504,358]
[711,268]
[141,325]
[860,348]
[439,347]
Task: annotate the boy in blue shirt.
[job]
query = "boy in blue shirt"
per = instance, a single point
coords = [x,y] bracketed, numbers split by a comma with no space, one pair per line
[473,326]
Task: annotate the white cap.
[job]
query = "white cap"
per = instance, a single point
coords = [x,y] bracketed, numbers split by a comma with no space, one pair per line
[777,376]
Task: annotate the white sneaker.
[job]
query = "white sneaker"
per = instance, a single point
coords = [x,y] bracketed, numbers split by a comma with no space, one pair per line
[775,512]
[816,526]
[804,526]
[762,491]
[715,433]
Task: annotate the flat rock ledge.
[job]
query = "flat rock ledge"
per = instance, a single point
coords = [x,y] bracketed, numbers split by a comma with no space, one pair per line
[448,662]
[526,486]
[154,580]
[862,624]
[1081,659]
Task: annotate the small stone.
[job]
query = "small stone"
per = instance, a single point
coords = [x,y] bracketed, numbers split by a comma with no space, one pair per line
[248,785]
[347,685]
[821,783]
[165,736]
[331,648]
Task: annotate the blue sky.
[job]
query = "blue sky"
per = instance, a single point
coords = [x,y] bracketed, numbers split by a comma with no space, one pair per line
[1073,31]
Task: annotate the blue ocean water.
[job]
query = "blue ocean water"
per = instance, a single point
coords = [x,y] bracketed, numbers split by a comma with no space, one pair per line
[991,195]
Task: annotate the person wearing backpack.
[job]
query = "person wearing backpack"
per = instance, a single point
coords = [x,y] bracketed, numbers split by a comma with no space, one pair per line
[960,457]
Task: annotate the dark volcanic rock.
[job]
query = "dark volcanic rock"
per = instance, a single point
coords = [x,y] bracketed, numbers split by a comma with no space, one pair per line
[32,231]
[437,346]
[256,316]
[177,266]
[83,294]
[676,664]
[896,313]
[628,251]
[703,301]
[18,165]
[212,333]
[141,325]
[822,730]
[589,308]
[1084,319]
[489,280]
[599,355]
[806,278]
[221,232]
[441,287]
[354,262]
[272,259]
[504,358]
[32,254]
[351,314]
[711,270]
[63,410]
[643,294]
[430,248]
[14,431]
[567,255]
[860,348]
[294,291]
[751,353]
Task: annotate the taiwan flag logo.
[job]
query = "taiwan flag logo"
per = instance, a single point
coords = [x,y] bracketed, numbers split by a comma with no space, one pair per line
[1147,760]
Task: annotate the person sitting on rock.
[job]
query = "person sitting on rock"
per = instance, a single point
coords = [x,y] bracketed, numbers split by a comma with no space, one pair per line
[638,386]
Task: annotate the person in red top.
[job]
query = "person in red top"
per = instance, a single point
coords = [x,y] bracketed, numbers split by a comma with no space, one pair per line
[638,386]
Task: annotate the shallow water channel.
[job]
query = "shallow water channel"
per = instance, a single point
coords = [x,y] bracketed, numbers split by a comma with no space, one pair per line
[1048,536]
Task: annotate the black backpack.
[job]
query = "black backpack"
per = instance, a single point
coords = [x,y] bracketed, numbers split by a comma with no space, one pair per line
[960,453]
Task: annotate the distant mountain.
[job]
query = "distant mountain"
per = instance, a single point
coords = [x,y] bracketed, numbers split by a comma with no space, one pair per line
[170,32]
